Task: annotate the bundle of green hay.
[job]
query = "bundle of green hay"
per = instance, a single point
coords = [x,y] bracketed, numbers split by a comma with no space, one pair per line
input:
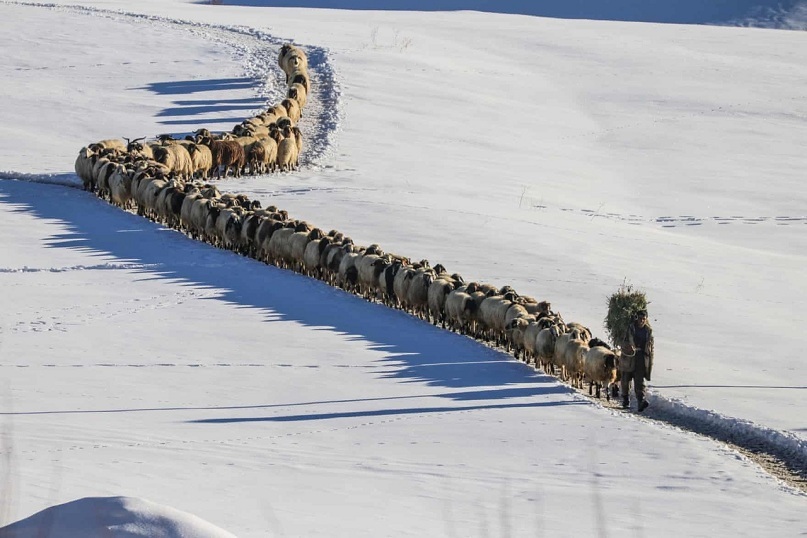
[622,308]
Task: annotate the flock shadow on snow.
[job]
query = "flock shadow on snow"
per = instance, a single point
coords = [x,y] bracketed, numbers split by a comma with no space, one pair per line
[413,350]
[195,112]
[661,11]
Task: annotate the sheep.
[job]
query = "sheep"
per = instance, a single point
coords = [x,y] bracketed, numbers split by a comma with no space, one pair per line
[492,315]
[278,111]
[535,307]
[386,280]
[292,108]
[147,203]
[438,292]
[185,212]
[530,340]
[566,354]
[312,257]
[417,294]
[300,77]
[370,267]
[84,165]
[400,285]
[263,156]
[199,212]
[136,148]
[292,59]
[573,360]
[545,343]
[332,258]
[101,171]
[201,159]
[287,151]
[111,143]
[213,210]
[266,229]
[585,332]
[226,153]
[599,369]
[176,158]
[460,310]
[169,203]
[561,342]
[228,225]
[249,226]
[120,187]
[283,122]
[298,93]
[347,275]
[277,249]
[516,333]
[298,138]
[298,243]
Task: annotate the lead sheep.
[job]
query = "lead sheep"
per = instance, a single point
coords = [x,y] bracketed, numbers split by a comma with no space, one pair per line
[599,369]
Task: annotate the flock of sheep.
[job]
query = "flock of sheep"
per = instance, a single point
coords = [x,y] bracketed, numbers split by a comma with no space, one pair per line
[267,142]
[160,185]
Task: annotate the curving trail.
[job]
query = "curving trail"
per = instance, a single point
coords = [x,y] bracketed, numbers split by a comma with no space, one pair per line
[257,51]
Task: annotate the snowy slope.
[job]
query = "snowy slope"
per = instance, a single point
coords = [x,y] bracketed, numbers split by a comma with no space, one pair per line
[561,157]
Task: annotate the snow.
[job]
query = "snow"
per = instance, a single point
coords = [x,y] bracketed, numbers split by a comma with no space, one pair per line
[560,156]
[114,517]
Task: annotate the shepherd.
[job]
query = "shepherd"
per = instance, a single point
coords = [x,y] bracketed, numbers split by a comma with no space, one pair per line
[639,349]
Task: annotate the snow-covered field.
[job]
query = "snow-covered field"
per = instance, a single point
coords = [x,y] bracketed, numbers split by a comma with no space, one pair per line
[562,157]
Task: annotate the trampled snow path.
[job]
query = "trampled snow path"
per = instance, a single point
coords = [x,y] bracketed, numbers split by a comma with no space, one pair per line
[783,455]
[258,53]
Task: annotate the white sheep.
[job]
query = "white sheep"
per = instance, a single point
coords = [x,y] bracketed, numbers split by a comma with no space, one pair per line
[120,186]
[293,109]
[291,58]
[287,151]
[298,243]
[599,369]
[176,158]
[298,92]
[460,309]
[201,159]
[84,164]
[110,143]
[574,353]
[263,156]
[369,267]
[492,316]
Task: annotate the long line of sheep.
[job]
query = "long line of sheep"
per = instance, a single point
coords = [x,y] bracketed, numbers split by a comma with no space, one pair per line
[267,142]
[159,183]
